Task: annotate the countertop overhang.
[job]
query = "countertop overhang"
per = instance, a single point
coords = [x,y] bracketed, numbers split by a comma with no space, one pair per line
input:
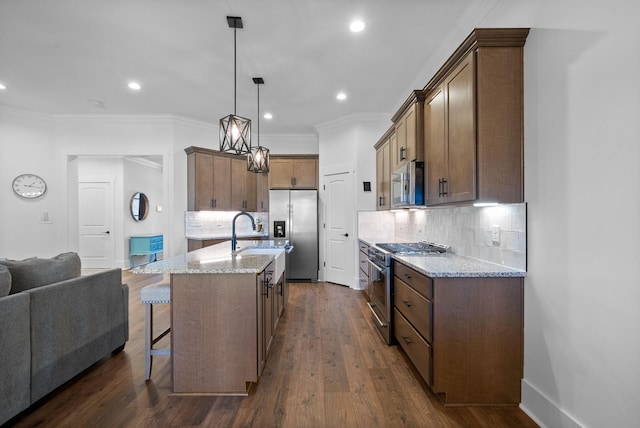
[216,259]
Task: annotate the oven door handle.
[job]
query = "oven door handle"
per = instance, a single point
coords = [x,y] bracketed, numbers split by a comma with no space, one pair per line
[383,325]
[376,266]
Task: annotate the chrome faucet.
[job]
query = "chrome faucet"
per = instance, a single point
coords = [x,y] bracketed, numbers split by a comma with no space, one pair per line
[233,228]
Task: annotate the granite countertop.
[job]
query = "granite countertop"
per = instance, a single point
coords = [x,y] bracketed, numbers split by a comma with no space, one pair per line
[451,265]
[216,259]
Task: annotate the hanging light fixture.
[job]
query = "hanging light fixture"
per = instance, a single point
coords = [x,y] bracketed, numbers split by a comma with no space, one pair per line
[258,158]
[235,131]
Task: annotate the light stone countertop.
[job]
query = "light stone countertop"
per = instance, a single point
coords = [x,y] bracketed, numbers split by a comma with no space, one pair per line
[451,265]
[216,259]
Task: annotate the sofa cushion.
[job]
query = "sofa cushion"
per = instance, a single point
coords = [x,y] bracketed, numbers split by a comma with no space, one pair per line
[5,281]
[35,272]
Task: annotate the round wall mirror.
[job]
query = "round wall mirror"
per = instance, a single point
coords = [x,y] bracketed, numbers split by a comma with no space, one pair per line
[139,206]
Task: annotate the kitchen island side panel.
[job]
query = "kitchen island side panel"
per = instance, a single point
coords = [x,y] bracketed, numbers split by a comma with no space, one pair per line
[213,333]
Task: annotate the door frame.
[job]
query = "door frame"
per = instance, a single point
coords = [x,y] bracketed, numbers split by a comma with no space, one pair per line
[347,168]
[113,233]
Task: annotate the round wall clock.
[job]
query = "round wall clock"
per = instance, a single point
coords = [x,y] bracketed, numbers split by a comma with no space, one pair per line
[29,186]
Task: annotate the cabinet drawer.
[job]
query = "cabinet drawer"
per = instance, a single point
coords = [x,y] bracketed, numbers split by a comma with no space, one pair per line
[422,284]
[417,349]
[416,309]
[364,265]
[363,247]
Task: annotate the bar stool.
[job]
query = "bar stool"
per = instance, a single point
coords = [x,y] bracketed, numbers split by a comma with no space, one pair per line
[153,295]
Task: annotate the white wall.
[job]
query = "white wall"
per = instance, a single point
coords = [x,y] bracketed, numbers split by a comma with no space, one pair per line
[27,146]
[54,147]
[582,299]
[346,144]
[290,144]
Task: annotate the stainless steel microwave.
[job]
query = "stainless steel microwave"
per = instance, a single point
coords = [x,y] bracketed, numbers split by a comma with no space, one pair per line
[407,185]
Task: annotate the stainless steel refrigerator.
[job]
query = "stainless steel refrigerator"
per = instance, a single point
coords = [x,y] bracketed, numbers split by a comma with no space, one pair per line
[294,216]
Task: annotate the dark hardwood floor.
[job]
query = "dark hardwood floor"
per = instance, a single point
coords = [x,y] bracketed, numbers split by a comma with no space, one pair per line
[327,368]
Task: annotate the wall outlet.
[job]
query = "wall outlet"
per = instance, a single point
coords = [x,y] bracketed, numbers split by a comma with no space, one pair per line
[495,234]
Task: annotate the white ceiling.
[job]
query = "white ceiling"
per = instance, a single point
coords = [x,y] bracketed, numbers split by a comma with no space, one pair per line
[64,56]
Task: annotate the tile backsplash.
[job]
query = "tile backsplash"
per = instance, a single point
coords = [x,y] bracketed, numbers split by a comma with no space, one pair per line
[217,224]
[468,230]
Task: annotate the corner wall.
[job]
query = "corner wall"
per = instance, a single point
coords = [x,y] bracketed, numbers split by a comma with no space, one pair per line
[582,188]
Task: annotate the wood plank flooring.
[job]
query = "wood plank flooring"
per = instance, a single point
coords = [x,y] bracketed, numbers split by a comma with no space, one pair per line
[327,368]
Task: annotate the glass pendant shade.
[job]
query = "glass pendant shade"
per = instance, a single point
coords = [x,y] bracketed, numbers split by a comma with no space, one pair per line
[235,134]
[258,160]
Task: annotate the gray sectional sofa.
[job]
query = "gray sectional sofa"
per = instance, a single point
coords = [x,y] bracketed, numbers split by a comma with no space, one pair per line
[54,324]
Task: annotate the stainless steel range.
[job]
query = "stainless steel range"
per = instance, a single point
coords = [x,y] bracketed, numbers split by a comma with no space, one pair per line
[381,279]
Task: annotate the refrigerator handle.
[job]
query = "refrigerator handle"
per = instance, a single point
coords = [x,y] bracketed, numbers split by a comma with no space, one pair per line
[291,219]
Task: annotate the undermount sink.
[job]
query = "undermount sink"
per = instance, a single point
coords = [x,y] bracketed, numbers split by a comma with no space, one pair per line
[278,260]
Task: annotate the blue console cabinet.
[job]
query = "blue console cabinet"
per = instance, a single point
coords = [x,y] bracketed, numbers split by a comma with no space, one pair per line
[147,245]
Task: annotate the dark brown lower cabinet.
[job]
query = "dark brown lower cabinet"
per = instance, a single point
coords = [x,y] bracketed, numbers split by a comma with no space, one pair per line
[463,335]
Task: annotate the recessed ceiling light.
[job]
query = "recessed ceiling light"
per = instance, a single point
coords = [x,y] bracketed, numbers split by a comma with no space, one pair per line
[134,86]
[341,96]
[2,87]
[356,26]
[268,116]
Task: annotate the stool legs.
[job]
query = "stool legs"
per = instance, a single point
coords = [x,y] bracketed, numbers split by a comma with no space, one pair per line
[149,341]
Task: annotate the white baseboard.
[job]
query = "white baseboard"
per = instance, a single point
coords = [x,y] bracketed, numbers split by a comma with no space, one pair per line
[543,411]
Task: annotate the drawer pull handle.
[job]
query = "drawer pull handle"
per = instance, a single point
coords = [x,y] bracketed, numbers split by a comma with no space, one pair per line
[406,276]
[406,340]
[407,304]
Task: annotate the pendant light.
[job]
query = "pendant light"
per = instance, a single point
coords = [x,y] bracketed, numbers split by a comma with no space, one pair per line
[235,131]
[258,158]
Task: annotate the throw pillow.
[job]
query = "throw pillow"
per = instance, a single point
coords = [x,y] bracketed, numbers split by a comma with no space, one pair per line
[5,281]
[36,272]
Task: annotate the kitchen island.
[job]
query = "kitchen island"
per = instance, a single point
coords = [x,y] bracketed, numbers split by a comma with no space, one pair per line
[224,309]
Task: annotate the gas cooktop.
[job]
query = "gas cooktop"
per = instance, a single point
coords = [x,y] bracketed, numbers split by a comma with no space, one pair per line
[413,248]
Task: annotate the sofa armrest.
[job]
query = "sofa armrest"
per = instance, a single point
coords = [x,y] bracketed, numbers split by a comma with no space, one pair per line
[15,355]
[74,324]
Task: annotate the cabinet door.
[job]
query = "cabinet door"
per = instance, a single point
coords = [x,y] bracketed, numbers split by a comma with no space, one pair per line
[237,185]
[203,195]
[398,144]
[281,173]
[460,88]
[250,189]
[410,152]
[262,191]
[221,183]
[404,146]
[243,186]
[305,173]
[435,145]
[383,177]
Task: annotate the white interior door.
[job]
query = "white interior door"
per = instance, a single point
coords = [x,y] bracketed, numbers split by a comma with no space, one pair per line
[95,216]
[339,238]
